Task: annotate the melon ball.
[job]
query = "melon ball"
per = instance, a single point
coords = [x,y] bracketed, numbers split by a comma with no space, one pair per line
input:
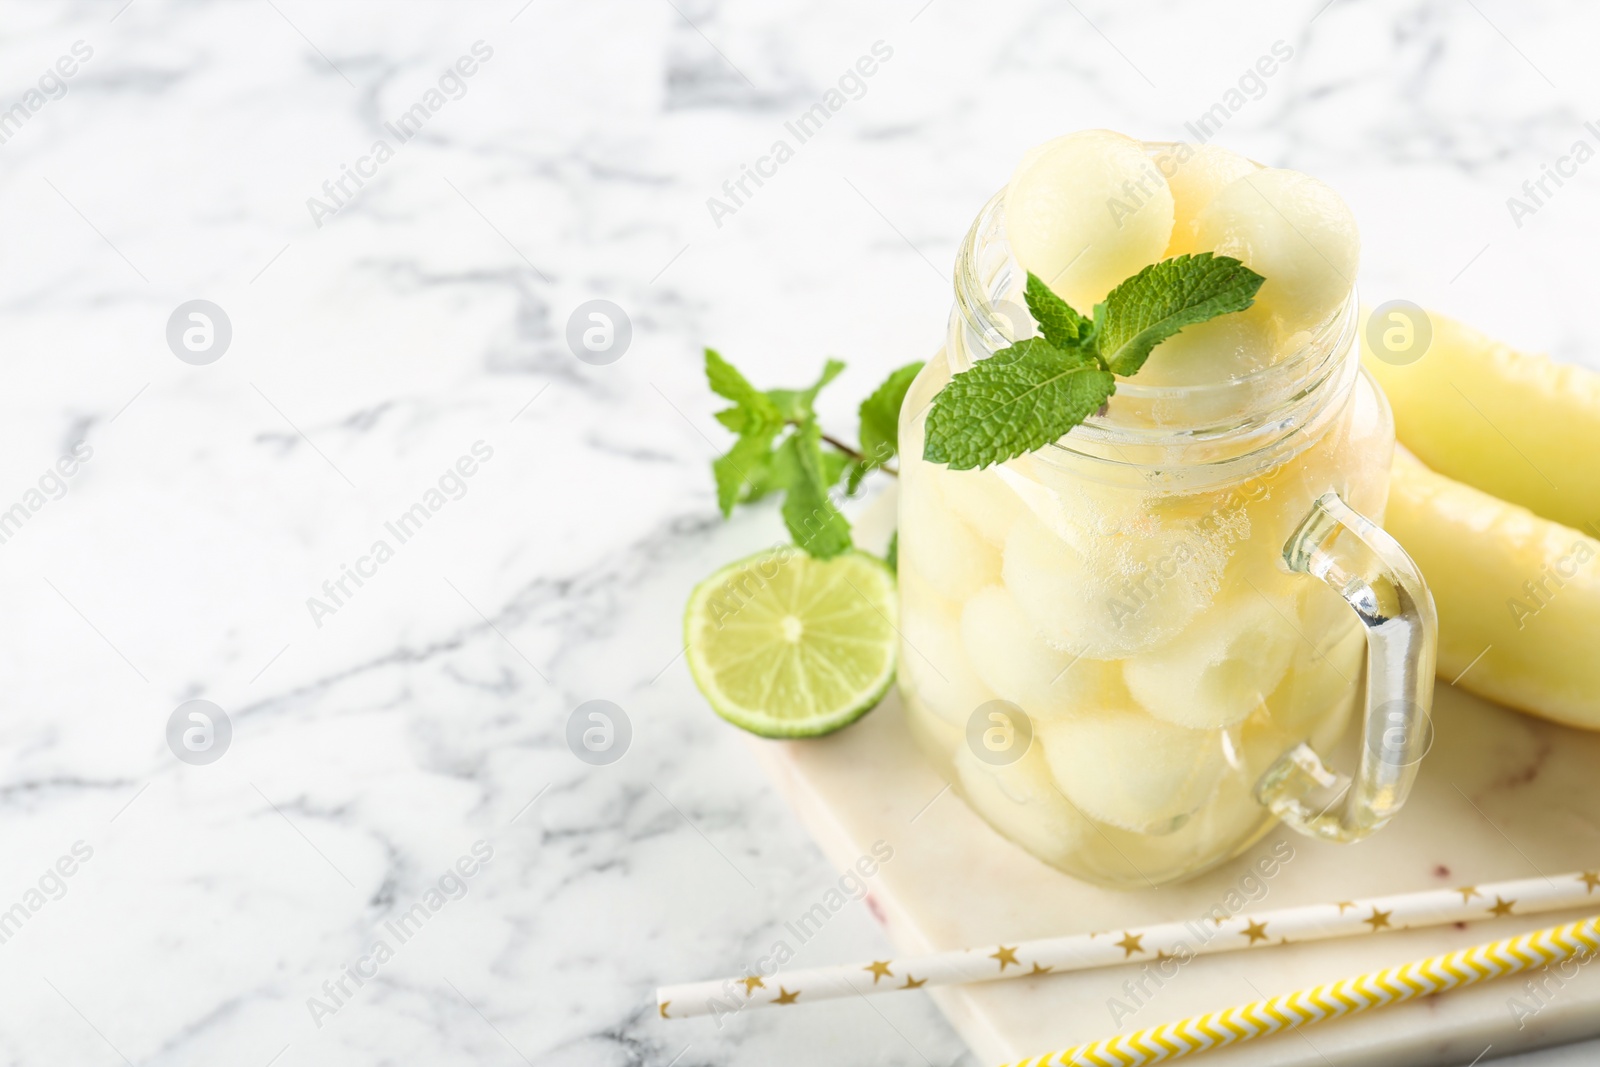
[1296,233]
[948,553]
[1086,211]
[933,663]
[981,499]
[1016,662]
[933,376]
[1077,509]
[1129,770]
[1218,670]
[1219,512]
[1227,822]
[1276,503]
[1313,703]
[1020,801]
[1315,699]
[937,739]
[1218,350]
[1230,821]
[1128,592]
[1195,180]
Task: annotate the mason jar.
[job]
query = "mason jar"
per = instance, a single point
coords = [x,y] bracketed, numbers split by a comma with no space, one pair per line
[1134,650]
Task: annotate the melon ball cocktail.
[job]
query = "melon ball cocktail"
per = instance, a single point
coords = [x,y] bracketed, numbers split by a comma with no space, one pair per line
[1146,439]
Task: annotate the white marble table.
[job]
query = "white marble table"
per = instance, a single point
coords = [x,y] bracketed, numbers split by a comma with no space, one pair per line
[381,332]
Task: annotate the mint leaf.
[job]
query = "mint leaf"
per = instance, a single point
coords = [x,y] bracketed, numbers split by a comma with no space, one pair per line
[729,384]
[880,419]
[1162,299]
[834,464]
[763,478]
[1017,400]
[813,521]
[853,476]
[734,418]
[743,468]
[795,404]
[892,557]
[1060,324]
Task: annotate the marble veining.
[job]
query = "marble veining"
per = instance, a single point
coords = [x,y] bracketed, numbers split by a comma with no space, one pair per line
[375,747]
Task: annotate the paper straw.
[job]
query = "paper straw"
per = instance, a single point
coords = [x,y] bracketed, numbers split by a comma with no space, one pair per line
[1164,944]
[1422,978]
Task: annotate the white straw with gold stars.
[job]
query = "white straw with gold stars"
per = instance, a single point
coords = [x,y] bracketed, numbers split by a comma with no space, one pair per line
[1164,945]
[1421,978]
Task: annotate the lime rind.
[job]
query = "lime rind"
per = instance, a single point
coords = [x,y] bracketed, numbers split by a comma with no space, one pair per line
[787,646]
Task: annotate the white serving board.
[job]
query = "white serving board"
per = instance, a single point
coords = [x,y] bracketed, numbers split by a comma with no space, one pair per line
[1500,796]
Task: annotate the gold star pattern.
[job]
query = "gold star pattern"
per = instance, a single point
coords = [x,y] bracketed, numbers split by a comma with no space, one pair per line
[1255,932]
[786,997]
[1468,892]
[879,969]
[663,1008]
[1502,908]
[1039,970]
[1005,956]
[752,983]
[1379,920]
[1162,956]
[912,983]
[1130,943]
[1590,879]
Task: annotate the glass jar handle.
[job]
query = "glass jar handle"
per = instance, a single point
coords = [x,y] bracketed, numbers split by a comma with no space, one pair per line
[1382,585]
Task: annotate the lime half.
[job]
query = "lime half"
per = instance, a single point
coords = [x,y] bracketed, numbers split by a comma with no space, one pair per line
[784,645]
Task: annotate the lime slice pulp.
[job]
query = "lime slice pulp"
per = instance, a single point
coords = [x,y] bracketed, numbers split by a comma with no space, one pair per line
[784,645]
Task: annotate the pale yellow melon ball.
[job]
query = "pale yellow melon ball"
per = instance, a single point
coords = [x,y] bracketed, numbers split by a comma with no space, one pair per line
[1292,230]
[1218,350]
[1086,211]
[1071,504]
[981,500]
[948,553]
[1218,670]
[933,663]
[1127,592]
[1020,801]
[1314,701]
[1015,661]
[1195,179]
[1130,770]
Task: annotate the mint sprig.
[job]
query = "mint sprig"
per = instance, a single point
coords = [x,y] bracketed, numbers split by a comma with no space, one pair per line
[1032,393]
[781,448]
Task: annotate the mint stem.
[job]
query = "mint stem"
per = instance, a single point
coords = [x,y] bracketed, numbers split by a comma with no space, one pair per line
[853,453]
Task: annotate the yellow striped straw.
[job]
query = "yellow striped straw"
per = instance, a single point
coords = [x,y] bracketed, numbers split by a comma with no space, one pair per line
[1422,978]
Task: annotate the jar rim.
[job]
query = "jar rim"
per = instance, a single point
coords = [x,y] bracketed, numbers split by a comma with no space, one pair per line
[1306,378]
